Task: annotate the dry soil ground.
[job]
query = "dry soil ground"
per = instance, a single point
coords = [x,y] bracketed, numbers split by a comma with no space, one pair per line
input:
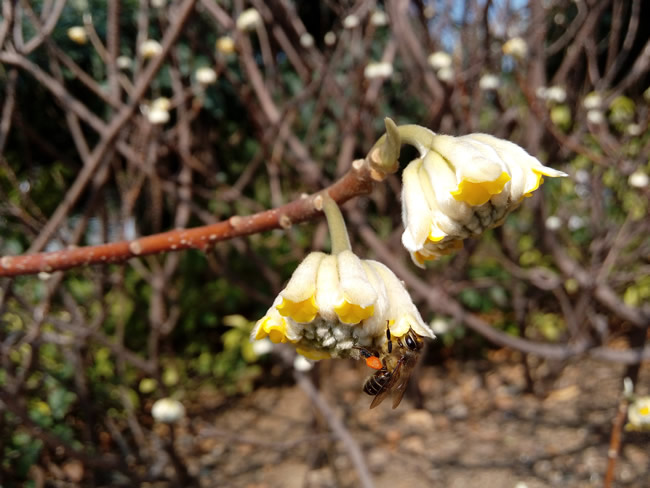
[477,429]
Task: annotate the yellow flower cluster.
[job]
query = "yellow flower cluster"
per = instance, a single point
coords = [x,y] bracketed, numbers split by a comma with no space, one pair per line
[461,186]
[334,304]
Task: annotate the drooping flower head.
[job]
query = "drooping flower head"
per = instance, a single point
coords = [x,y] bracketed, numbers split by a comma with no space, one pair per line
[336,303]
[461,186]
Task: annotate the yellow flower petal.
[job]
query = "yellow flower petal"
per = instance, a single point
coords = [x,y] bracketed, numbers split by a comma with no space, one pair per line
[273,328]
[350,313]
[477,193]
[313,354]
[302,312]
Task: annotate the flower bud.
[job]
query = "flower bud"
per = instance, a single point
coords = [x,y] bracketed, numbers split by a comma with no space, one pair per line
[167,411]
[150,49]
[78,34]
[249,20]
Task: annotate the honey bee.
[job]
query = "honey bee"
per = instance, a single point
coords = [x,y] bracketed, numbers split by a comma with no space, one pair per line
[393,368]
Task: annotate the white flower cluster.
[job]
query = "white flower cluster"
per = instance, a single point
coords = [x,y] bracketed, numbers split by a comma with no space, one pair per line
[461,186]
[335,303]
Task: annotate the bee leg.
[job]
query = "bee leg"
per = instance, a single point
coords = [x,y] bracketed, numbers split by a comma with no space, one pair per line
[390,342]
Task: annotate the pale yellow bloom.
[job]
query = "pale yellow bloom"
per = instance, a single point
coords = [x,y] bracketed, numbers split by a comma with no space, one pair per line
[206,75]
[351,21]
[461,186]
[592,101]
[335,303]
[439,60]
[489,82]
[78,34]
[379,18]
[330,38]
[150,49]
[225,45]
[515,47]
[249,20]
[638,414]
[373,71]
[307,40]
[167,410]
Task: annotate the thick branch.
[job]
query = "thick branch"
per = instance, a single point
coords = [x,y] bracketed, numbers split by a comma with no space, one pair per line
[357,181]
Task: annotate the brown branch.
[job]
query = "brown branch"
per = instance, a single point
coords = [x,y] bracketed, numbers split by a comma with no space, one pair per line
[357,181]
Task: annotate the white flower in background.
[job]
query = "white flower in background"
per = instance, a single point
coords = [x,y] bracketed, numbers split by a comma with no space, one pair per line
[158,3]
[249,20]
[167,411]
[335,303]
[78,34]
[161,103]
[351,21]
[515,47]
[439,60]
[262,347]
[302,364]
[440,326]
[489,82]
[445,74]
[330,38]
[158,111]
[592,101]
[379,18]
[124,62]
[553,222]
[582,176]
[633,129]
[225,45]
[638,414]
[638,179]
[206,75]
[556,94]
[378,70]
[595,117]
[157,116]
[461,186]
[307,40]
[575,222]
[150,49]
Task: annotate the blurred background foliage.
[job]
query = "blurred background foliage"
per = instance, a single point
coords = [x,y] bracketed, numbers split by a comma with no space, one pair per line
[86,352]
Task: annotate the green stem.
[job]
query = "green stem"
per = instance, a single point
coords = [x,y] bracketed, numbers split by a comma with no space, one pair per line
[389,144]
[336,224]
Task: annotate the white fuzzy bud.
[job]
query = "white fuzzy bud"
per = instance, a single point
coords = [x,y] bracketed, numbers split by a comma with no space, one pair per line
[167,411]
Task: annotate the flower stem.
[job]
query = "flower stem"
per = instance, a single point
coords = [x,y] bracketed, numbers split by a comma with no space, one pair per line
[336,224]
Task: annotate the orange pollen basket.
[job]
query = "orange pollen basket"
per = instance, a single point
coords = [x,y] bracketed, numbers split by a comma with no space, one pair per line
[374,362]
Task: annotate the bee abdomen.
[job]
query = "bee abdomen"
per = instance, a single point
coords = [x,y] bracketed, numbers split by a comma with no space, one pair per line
[375,383]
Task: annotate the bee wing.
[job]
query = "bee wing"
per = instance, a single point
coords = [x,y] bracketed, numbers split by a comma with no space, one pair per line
[400,380]
[381,395]
[389,386]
